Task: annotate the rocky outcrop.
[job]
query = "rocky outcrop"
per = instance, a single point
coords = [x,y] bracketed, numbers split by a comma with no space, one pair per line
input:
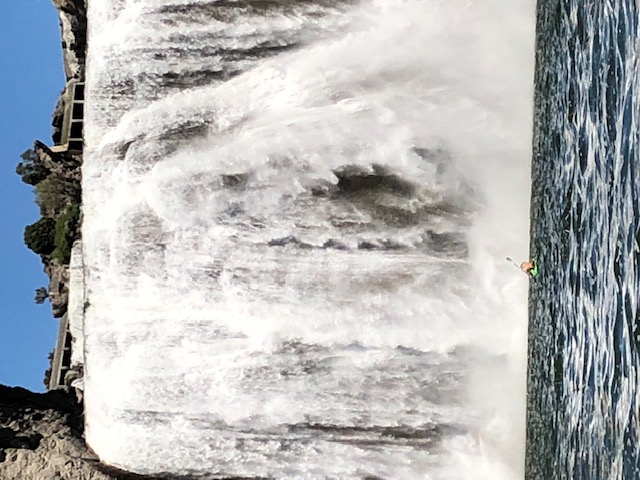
[64,165]
[73,25]
[41,438]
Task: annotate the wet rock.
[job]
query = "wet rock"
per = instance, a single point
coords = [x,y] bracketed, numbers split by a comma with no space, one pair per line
[331,243]
[289,240]
[366,245]
[236,181]
[353,178]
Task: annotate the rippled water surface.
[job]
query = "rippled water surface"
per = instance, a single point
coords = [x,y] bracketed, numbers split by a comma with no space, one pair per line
[584,333]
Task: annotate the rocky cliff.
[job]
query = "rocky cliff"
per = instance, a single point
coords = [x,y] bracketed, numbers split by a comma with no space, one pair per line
[41,438]
[41,435]
[67,171]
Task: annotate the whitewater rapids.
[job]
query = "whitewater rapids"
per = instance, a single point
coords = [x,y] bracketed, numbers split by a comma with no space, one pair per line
[296,217]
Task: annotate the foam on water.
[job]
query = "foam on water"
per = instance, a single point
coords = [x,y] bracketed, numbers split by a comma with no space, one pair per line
[296,261]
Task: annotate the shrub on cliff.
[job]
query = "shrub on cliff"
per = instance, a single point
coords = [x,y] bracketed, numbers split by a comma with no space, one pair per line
[54,194]
[39,236]
[31,169]
[66,231]
[41,295]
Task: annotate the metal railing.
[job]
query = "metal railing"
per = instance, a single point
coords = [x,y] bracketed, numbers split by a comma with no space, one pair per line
[71,139]
[61,362]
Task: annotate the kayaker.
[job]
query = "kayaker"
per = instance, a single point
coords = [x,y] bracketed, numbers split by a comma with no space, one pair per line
[529,267]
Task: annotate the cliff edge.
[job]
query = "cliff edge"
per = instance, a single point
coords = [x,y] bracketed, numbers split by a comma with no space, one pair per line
[41,437]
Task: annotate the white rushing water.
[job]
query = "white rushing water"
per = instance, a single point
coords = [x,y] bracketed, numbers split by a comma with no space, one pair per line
[296,218]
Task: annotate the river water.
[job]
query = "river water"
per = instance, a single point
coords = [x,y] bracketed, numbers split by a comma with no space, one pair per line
[296,218]
[584,335]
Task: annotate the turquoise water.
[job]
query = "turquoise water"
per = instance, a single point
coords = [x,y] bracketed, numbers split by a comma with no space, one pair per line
[584,330]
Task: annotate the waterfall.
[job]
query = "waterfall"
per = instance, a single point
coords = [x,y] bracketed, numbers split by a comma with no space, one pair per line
[296,216]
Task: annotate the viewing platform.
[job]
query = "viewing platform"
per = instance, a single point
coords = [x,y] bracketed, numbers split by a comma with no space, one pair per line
[68,355]
[71,139]
[61,362]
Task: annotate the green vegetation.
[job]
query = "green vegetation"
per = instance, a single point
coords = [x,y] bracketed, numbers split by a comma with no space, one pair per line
[39,236]
[54,194]
[66,231]
[41,295]
[56,178]
[31,169]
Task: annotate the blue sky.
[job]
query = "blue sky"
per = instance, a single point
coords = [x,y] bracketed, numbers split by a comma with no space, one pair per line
[31,77]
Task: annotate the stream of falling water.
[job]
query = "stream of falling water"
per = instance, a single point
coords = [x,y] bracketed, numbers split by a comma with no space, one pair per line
[296,216]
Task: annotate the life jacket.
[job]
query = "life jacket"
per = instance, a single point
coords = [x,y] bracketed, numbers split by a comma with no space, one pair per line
[534,271]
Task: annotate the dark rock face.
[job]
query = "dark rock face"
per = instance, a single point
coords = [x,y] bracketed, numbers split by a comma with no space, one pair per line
[57,117]
[352,179]
[10,438]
